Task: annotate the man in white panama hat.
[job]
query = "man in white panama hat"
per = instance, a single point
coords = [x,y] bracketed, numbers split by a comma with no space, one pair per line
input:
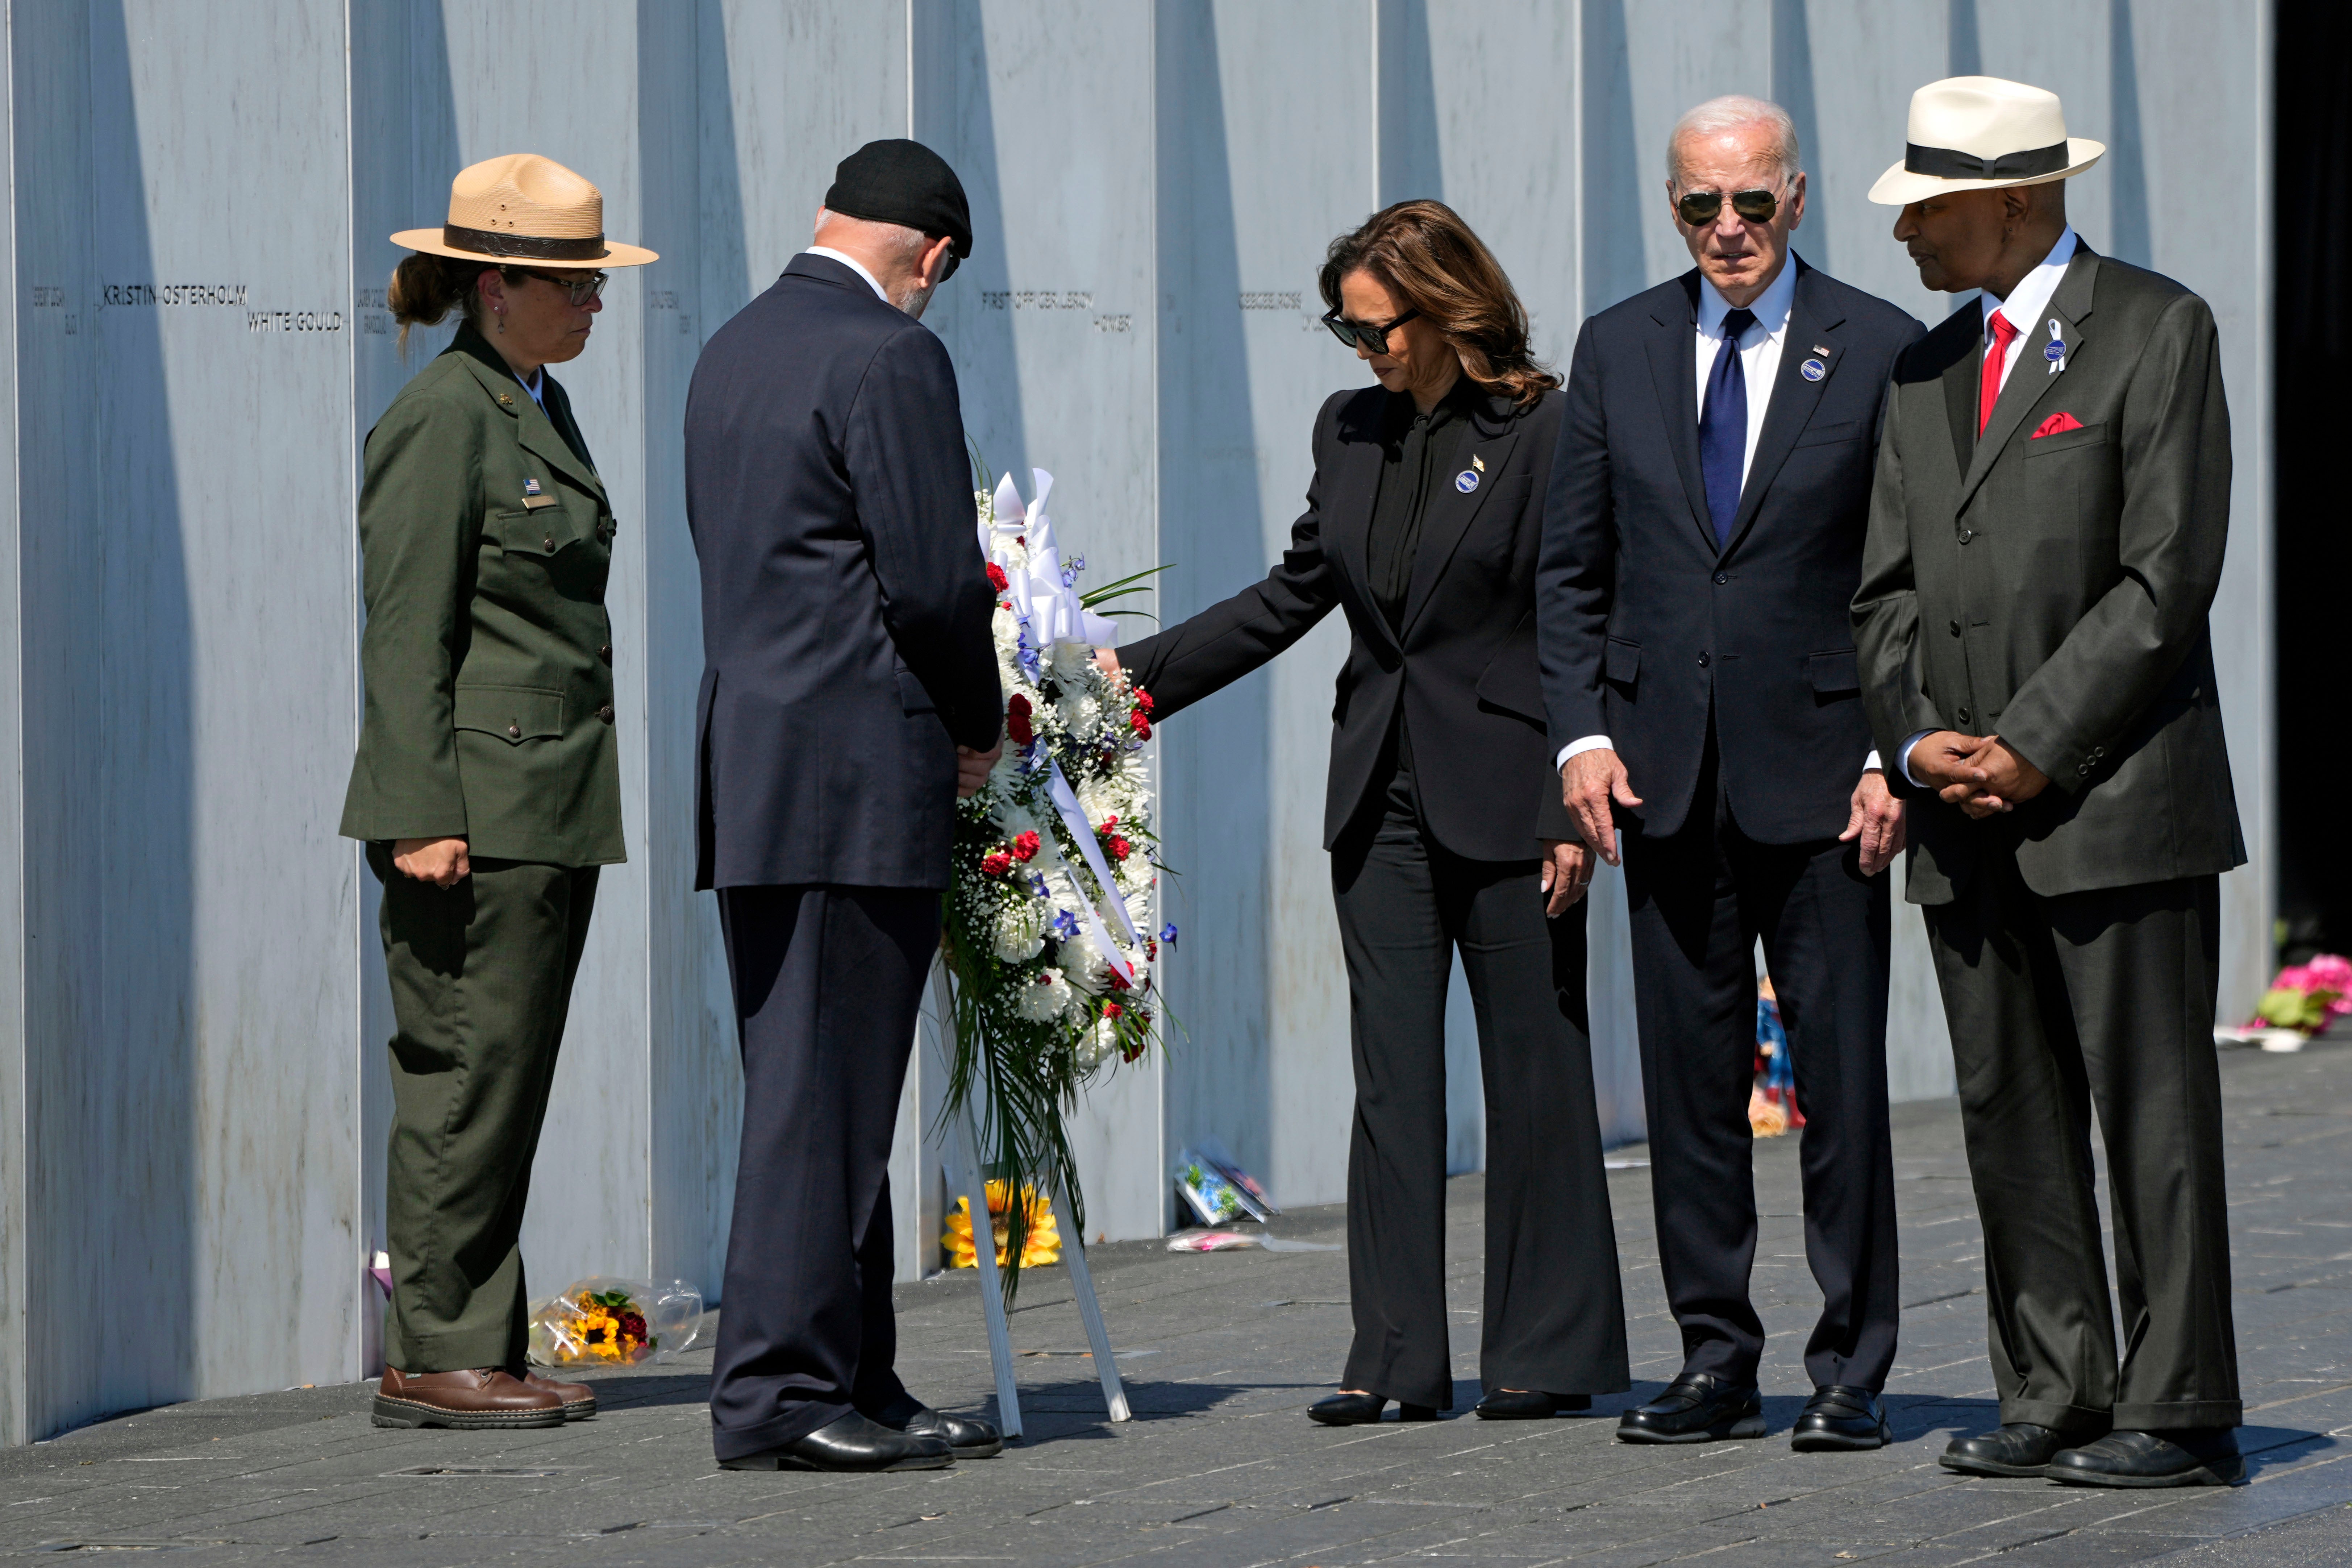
[2045,540]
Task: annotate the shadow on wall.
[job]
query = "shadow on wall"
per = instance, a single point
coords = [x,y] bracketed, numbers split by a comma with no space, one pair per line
[1216,765]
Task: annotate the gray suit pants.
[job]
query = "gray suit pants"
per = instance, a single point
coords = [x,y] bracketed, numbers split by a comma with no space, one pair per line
[2058,1004]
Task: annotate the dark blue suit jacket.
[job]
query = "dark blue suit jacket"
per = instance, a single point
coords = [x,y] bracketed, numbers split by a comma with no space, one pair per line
[845,603]
[1644,625]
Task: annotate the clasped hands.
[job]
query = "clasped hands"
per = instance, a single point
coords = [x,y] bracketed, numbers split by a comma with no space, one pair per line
[1979,774]
[1591,782]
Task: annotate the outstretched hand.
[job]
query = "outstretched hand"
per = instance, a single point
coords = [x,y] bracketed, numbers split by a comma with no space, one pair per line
[1588,784]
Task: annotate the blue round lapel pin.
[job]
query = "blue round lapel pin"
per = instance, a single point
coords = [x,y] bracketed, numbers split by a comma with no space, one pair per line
[1465,481]
[1813,370]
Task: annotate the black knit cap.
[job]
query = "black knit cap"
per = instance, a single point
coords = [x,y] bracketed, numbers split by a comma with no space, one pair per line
[903,182]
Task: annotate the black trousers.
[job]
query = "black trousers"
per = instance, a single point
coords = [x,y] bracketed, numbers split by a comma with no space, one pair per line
[2058,1004]
[1555,1314]
[827,980]
[481,980]
[1698,900]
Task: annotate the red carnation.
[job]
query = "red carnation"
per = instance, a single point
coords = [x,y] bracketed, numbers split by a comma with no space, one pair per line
[1143,699]
[1117,983]
[1117,847]
[1137,723]
[1025,846]
[996,578]
[1016,720]
[996,864]
[1112,1009]
[1108,822]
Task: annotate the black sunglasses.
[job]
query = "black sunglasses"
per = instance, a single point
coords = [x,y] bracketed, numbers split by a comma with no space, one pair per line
[1699,208]
[581,287]
[1375,338]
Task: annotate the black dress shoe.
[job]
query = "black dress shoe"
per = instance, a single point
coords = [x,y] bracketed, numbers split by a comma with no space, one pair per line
[1529,1405]
[851,1443]
[967,1436]
[1363,1409]
[2190,1457]
[1697,1408]
[1840,1416]
[2015,1448]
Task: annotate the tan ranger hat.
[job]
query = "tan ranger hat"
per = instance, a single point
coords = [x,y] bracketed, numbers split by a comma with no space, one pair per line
[524,208]
[1980,133]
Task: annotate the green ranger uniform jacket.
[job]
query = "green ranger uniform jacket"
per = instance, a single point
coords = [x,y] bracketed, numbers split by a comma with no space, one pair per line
[487,655]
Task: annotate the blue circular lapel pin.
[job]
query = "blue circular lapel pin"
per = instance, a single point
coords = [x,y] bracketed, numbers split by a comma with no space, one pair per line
[1813,370]
[2053,351]
[1465,481]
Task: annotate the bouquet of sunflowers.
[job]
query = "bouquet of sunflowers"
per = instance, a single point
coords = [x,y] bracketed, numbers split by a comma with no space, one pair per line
[615,1322]
[1041,1242]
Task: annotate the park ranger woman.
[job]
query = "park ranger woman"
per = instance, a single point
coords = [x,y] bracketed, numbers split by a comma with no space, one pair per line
[488,781]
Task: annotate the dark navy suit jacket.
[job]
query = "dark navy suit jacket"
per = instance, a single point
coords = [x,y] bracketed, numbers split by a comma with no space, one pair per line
[845,603]
[1645,625]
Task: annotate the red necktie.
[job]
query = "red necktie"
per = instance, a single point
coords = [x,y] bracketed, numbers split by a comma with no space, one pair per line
[1988,380]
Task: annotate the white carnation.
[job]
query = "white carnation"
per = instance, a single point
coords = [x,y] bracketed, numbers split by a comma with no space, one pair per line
[1045,998]
[1072,660]
[1087,969]
[1097,1045]
[1080,714]
[1020,932]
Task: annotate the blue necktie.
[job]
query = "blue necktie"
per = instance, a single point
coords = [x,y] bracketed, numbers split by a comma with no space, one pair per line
[1723,426]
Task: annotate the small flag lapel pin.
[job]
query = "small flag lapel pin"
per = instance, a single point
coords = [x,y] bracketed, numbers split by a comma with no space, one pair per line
[530,487]
[2055,353]
[1477,462]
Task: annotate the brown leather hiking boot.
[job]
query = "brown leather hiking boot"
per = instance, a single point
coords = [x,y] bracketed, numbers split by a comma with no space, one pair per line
[579,1399]
[482,1399]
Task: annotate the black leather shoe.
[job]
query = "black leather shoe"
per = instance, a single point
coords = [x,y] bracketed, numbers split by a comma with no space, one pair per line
[967,1436]
[1697,1408]
[1529,1405]
[1840,1416]
[2190,1457]
[2015,1448]
[851,1443]
[1363,1409]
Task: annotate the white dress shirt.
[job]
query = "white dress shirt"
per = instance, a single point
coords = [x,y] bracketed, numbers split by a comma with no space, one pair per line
[853,264]
[1760,367]
[2023,310]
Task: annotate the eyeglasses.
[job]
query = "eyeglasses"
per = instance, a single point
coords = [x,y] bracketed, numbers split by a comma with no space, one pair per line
[581,287]
[1374,339]
[1699,208]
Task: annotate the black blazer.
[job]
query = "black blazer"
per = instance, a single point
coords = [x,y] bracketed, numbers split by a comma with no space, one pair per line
[1646,625]
[1464,668]
[2053,589]
[846,604]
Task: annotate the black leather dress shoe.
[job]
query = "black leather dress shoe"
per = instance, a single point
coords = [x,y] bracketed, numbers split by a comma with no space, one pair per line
[967,1436]
[1363,1409]
[851,1443]
[2016,1448]
[1529,1405]
[2190,1457]
[1697,1408]
[1840,1416]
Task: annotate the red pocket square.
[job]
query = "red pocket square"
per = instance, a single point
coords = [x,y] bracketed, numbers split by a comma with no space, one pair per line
[2056,423]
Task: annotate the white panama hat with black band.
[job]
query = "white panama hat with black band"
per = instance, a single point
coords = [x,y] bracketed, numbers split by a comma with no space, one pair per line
[1982,134]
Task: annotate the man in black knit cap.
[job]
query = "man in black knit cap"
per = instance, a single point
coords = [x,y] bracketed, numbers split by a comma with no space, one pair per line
[849,696]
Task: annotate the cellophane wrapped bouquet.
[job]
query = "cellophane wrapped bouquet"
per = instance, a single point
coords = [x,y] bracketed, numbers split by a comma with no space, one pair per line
[1049,918]
[606,1322]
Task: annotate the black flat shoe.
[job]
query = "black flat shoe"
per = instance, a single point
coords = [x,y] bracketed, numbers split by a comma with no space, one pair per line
[2016,1448]
[967,1436]
[851,1443]
[1840,1417]
[1697,1408]
[1363,1409]
[2198,1457]
[1529,1405]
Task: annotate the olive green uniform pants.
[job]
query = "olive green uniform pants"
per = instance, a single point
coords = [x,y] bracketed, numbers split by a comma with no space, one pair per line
[481,976]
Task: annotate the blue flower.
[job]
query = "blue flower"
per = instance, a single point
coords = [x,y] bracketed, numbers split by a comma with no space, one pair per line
[1037,886]
[1066,925]
[1168,934]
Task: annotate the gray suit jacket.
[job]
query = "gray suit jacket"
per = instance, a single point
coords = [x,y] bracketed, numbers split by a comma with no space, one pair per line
[2053,589]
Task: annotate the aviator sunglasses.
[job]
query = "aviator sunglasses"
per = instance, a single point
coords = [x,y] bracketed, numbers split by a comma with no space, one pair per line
[1373,338]
[581,287]
[1699,208]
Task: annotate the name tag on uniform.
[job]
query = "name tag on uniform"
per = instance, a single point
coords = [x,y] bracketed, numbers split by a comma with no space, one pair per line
[534,502]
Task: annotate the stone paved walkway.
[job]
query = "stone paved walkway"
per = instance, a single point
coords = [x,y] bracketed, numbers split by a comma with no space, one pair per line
[1221,1353]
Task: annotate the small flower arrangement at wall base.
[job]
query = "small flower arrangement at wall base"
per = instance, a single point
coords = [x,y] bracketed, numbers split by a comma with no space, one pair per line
[1040,1244]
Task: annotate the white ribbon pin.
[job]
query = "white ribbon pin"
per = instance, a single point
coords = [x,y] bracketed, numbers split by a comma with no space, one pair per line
[2056,353]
